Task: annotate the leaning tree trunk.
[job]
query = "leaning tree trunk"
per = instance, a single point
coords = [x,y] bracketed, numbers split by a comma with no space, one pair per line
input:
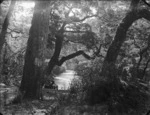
[4,30]
[33,58]
[113,51]
[6,23]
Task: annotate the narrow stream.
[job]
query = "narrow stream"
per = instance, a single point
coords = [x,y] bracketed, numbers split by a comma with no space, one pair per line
[64,79]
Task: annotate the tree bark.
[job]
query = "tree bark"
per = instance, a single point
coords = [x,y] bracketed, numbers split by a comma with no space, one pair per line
[4,31]
[55,58]
[6,23]
[38,34]
[113,51]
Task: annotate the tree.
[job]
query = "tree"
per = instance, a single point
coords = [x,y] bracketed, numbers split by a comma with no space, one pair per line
[6,24]
[132,15]
[32,71]
[4,28]
[61,35]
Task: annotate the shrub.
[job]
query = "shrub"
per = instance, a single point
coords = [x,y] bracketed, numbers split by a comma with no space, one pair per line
[121,96]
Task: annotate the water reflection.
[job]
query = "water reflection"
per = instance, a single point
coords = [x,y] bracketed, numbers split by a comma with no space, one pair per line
[64,79]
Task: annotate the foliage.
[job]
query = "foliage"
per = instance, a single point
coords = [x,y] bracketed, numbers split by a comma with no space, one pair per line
[125,94]
[134,52]
[89,39]
[20,22]
[58,70]
[80,89]
[13,69]
[120,95]
[130,99]
[15,41]
[19,28]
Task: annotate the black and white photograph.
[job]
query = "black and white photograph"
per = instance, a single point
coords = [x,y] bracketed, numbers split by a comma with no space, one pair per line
[74,57]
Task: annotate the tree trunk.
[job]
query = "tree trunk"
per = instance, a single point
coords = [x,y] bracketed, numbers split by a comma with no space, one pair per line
[4,30]
[113,51]
[55,58]
[6,23]
[38,34]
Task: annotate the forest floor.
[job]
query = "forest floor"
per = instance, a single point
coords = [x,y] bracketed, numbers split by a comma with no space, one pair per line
[51,104]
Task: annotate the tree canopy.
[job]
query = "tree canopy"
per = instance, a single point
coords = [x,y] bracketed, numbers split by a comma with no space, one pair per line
[106,43]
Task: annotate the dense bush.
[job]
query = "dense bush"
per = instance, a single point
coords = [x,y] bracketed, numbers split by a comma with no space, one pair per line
[121,96]
[12,71]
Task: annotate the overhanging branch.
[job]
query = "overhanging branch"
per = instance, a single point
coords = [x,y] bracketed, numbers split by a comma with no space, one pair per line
[81,52]
[81,20]
[120,37]
[75,31]
[121,32]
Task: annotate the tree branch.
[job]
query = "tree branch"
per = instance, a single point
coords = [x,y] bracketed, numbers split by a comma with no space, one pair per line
[144,71]
[121,32]
[146,2]
[98,49]
[75,31]
[142,51]
[81,52]
[81,20]
[15,30]
[134,4]
[75,19]
[120,37]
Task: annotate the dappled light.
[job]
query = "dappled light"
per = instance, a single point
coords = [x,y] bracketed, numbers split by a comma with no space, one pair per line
[74,57]
[64,79]
[23,8]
